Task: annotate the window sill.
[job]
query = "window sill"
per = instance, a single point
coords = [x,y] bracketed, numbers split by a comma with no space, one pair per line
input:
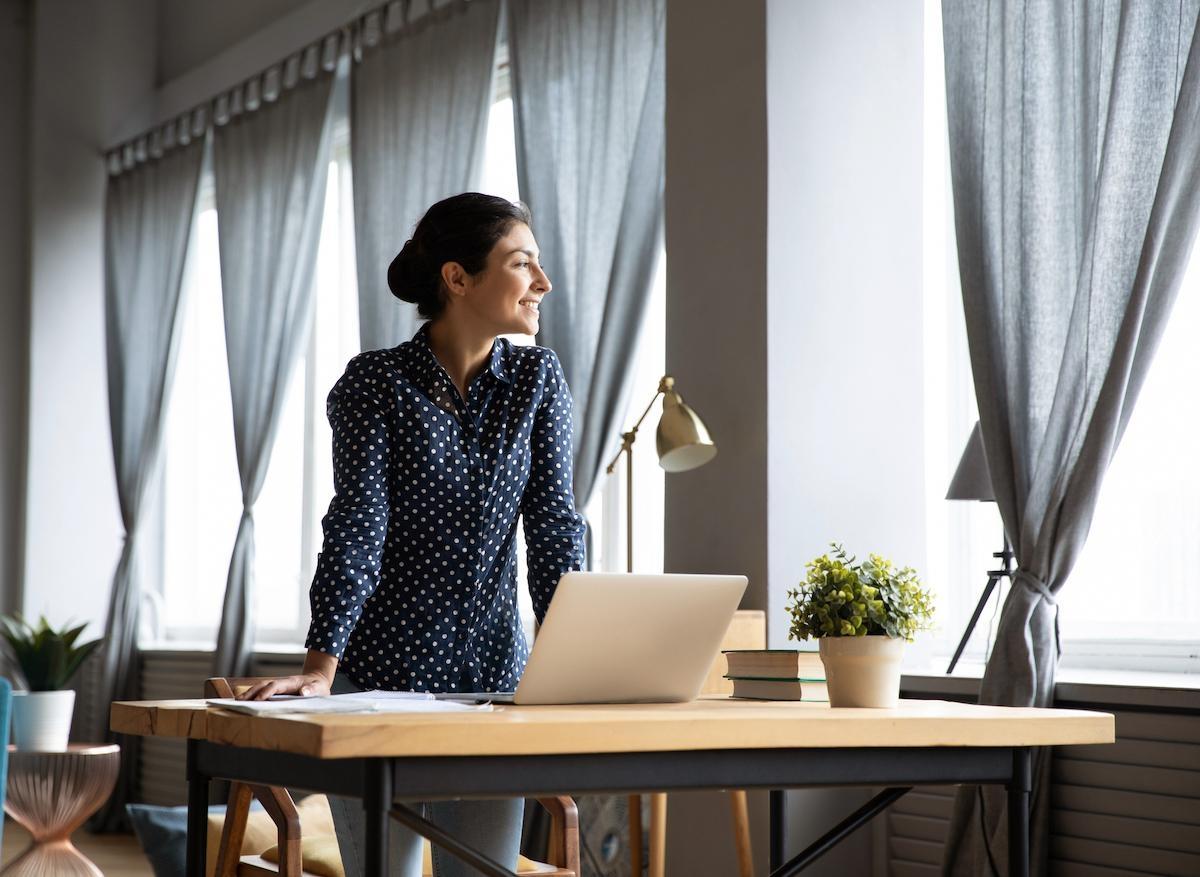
[1148,690]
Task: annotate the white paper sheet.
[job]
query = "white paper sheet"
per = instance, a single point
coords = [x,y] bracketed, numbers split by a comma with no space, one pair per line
[356,702]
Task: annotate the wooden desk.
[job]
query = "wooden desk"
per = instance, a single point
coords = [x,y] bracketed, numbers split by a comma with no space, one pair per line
[712,743]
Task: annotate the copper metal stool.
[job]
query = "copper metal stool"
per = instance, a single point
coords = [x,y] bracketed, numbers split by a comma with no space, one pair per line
[51,794]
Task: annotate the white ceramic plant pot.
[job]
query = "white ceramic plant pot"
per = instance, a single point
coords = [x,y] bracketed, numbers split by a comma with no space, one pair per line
[41,720]
[862,671]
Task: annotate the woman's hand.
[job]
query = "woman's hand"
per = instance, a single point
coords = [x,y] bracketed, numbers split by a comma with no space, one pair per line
[314,680]
[305,684]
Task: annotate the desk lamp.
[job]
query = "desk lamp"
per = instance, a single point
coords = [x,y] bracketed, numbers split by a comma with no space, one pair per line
[683,443]
[972,481]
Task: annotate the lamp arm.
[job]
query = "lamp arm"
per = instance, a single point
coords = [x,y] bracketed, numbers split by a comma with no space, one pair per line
[628,438]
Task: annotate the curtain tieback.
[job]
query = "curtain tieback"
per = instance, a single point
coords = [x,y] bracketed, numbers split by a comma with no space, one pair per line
[1037,586]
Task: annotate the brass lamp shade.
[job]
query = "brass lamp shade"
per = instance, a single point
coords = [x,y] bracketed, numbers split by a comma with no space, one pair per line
[682,438]
[972,481]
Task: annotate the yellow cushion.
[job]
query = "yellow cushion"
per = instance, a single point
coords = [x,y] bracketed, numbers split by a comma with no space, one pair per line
[260,834]
[315,818]
[319,850]
[321,857]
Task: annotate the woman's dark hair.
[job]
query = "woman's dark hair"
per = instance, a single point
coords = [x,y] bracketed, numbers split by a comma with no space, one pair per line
[463,229]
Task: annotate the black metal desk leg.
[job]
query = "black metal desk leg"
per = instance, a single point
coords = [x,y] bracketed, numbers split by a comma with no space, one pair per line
[197,817]
[778,821]
[1019,789]
[377,802]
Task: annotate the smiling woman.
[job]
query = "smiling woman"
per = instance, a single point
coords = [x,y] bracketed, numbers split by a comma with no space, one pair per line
[440,445]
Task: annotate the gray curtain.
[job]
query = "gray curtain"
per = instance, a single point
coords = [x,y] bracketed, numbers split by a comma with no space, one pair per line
[1073,132]
[418,122]
[148,220]
[588,91]
[269,168]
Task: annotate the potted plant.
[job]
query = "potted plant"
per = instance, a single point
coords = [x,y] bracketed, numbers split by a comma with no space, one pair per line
[48,658]
[862,614]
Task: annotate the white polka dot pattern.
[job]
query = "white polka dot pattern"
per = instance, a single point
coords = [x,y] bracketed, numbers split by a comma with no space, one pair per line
[415,587]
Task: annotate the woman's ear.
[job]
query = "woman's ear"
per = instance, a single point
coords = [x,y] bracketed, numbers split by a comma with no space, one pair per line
[455,279]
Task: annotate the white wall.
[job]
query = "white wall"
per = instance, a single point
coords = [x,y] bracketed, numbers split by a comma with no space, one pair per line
[14,290]
[794,319]
[716,237]
[191,33]
[716,243]
[844,360]
[93,82]
[93,71]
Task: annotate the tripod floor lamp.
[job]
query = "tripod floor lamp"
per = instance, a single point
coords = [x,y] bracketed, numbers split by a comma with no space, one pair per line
[973,482]
[683,443]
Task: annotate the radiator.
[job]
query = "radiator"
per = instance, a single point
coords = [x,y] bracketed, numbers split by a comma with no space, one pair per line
[181,674]
[1129,808]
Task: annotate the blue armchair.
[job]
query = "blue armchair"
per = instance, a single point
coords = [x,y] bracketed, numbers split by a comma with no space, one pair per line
[5,712]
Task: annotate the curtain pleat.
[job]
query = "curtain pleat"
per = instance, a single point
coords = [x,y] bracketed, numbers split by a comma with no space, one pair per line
[589,98]
[418,123]
[1076,193]
[148,221]
[270,169]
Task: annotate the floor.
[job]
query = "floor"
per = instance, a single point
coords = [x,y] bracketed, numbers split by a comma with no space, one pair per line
[117,855]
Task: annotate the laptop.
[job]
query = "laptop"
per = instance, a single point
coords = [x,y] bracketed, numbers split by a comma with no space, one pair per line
[627,638]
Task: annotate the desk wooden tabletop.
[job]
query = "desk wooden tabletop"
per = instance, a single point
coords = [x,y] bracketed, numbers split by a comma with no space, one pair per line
[709,723]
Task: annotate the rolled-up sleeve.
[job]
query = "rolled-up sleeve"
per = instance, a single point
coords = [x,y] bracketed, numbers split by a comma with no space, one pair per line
[360,413]
[554,530]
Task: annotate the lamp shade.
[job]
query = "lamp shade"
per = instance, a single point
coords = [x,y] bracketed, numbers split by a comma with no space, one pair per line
[682,438]
[971,479]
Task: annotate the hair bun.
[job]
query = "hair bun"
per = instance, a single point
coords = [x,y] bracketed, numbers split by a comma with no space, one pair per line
[411,275]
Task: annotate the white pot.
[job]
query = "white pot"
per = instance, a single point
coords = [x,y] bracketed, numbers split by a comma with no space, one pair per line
[862,671]
[41,720]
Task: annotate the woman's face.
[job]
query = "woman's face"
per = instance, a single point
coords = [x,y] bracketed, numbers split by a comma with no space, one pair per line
[506,294]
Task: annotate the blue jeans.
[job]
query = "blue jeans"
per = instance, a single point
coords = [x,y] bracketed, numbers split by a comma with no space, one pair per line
[491,827]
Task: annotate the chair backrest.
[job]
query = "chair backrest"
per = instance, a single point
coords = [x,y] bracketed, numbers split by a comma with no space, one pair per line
[275,800]
[5,720]
[230,686]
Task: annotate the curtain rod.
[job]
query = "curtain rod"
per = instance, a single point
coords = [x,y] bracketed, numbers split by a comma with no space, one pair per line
[365,30]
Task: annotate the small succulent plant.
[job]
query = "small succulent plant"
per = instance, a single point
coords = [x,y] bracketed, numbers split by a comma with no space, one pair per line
[840,597]
[48,658]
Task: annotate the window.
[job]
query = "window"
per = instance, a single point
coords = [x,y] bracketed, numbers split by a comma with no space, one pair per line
[605,512]
[199,493]
[1133,600]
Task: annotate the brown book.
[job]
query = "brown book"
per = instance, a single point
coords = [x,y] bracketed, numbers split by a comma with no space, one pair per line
[774,664]
[780,689]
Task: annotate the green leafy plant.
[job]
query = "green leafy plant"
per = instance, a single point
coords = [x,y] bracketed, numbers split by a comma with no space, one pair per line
[48,658]
[840,597]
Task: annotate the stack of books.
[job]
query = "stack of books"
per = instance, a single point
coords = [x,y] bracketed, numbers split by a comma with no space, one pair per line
[777,674]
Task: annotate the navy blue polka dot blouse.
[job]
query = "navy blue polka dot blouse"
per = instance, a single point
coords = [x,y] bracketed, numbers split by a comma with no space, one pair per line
[416,585]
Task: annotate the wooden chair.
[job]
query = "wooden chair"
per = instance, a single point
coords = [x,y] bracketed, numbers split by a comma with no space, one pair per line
[564,819]
[748,630]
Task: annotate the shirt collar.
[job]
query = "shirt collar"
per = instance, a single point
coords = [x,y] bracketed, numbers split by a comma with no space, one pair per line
[497,361]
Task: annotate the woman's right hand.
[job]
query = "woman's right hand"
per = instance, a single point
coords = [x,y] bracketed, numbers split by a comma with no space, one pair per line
[308,684]
[314,680]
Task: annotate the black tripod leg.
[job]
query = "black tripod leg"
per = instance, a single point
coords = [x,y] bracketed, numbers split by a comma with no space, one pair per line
[962,643]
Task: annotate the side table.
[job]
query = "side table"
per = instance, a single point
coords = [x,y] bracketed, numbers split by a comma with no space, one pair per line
[51,794]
